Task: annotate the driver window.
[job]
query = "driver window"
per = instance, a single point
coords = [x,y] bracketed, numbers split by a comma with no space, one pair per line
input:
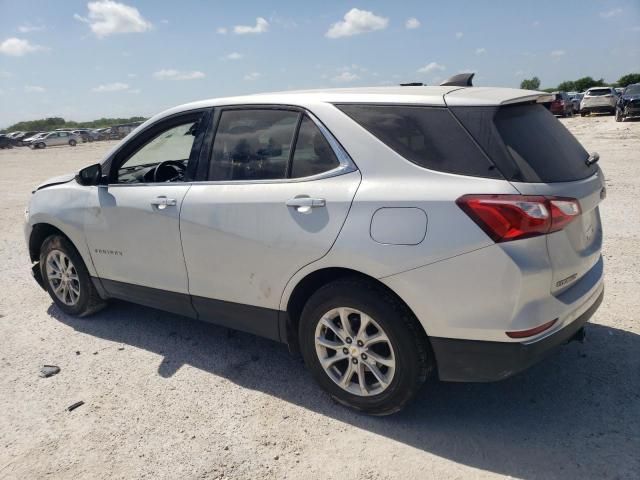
[164,158]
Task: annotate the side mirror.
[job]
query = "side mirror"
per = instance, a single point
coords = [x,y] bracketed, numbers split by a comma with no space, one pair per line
[91,175]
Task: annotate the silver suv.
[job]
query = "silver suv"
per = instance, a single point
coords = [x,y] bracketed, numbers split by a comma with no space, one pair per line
[53,139]
[387,234]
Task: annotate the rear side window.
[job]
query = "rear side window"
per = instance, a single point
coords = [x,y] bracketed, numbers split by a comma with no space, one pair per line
[527,143]
[429,137]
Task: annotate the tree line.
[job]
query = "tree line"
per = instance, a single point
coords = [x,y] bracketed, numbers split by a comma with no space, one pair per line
[51,123]
[581,84]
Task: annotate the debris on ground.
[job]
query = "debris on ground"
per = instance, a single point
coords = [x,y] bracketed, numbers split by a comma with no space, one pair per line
[71,408]
[49,371]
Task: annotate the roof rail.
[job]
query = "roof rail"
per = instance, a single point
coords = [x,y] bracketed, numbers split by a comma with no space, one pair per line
[459,80]
[412,84]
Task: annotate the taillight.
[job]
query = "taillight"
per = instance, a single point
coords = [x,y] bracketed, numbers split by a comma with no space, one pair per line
[513,217]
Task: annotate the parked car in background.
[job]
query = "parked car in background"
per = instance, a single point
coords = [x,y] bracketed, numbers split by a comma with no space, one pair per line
[619,90]
[86,134]
[281,215]
[599,100]
[52,139]
[19,139]
[561,104]
[5,141]
[118,132]
[29,140]
[102,133]
[575,98]
[629,103]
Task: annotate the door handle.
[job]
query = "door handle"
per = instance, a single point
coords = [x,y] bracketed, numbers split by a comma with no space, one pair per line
[163,202]
[305,204]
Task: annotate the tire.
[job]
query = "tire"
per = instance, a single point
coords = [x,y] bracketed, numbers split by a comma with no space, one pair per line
[73,143]
[87,301]
[619,117]
[407,349]
[583,114]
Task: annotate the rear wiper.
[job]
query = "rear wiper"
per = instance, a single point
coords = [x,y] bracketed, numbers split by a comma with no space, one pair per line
[593,158]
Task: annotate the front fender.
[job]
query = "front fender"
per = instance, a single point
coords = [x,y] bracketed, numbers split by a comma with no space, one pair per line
[62,206]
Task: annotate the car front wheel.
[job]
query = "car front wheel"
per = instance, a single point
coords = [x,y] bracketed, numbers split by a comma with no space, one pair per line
[66,278]
[364,347]
[619,116]
[72,143]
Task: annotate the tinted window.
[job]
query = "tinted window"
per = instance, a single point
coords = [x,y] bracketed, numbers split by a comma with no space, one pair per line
[632,90]
[429,137]
[313,154]
[253,144]
[540,145]
[598,92]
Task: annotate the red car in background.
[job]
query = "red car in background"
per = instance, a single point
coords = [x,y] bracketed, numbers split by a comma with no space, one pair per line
[561,104]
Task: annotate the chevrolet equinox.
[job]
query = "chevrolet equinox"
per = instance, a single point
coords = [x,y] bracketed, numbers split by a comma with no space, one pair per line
[385,234]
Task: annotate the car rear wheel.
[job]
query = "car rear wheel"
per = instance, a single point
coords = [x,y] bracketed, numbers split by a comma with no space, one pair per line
[66,278]
[364,347]
[72,143]
[41,145]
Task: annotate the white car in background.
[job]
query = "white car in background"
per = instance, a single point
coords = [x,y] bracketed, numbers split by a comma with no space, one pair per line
[53,139]
[599,100]
[302,217]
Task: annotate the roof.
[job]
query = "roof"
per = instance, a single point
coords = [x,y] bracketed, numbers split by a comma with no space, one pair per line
[417,95]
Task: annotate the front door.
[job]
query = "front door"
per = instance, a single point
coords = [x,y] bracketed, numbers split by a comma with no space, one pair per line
[278,195]
[132,225]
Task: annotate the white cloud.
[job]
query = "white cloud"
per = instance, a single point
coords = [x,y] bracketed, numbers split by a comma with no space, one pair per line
[133,90]
[28,28]
[558,53]
[519,73]
[221,30]
[412,23]
[233,56]
[431,67]
[261,26]
[34,89]
[356,22]
[132,75]
[345,77]
[252,76]
[611,13]
[111,87]
[107,17]
[480,51]
[459,35]
[5,74]
[164,21]
[171,74]
[17,47]
[535,23]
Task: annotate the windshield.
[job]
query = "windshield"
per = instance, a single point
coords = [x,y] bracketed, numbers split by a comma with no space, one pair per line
[632,90]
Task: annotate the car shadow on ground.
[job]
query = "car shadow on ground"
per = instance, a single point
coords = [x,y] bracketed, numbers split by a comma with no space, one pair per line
[576,415]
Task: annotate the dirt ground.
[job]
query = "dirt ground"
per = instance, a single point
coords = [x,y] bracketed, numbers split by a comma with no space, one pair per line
[166,397]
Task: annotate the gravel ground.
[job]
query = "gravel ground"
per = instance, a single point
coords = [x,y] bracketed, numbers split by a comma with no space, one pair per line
[166,397]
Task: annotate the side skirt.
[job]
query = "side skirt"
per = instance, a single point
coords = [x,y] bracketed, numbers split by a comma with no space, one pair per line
[264,322]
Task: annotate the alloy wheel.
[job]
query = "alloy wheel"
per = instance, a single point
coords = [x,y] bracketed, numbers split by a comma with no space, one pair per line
[63,277]
[355,352]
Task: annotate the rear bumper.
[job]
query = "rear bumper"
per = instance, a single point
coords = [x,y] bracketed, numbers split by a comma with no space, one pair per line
[483,361]
[598,108]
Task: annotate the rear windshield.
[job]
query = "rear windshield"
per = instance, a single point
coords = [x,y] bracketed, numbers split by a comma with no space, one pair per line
[527,143]
[598,92]
[430,137]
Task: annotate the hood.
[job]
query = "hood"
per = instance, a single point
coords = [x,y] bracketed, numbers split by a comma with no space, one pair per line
[56,181]
[631,96]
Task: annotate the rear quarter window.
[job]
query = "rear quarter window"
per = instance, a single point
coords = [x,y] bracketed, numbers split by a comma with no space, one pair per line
[430,137]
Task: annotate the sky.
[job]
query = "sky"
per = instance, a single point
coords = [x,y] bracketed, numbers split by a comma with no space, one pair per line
[85,60]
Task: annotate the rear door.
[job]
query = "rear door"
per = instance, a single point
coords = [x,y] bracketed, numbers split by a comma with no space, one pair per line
[541,157]
[278,192]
